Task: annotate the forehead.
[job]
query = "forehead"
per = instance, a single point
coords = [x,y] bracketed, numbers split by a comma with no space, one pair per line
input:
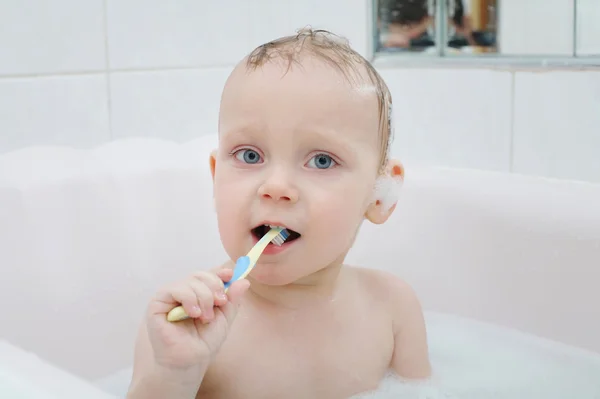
[310,95]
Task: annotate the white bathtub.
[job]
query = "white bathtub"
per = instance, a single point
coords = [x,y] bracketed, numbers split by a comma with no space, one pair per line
[86,236]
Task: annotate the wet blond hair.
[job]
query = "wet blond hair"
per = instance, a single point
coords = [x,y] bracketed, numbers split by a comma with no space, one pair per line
[336,52]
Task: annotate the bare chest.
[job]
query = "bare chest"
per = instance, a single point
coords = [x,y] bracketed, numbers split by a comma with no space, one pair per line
[327,355]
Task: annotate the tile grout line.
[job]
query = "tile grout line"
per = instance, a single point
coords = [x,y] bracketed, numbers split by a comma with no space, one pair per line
[51,74]
[574,53]
[107,71]
[115,70]
[511,155]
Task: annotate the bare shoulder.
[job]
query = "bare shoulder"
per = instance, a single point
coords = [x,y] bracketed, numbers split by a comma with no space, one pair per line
[410,358]
[387,288]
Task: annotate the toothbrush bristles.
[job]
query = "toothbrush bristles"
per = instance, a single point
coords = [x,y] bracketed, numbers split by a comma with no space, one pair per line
[281,237]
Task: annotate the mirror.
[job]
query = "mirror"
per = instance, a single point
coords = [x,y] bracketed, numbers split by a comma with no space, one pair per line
[532,28]
[406,25]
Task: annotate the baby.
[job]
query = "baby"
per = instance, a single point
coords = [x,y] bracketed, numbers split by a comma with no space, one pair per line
[304,135]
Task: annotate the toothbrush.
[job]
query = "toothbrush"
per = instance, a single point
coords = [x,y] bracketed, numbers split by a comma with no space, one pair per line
[243,266]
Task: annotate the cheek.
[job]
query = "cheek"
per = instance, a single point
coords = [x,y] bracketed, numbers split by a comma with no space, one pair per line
[339,213]
[229,206]
[231,193]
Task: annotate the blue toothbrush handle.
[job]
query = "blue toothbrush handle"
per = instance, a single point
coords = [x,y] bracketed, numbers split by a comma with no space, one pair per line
[240,271]
[241,266]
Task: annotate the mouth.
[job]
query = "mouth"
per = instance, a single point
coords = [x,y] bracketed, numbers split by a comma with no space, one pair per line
[260,230]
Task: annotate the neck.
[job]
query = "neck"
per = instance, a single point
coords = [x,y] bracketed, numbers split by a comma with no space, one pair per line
[313,290]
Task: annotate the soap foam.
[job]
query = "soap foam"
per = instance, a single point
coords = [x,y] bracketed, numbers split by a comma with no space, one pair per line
[394,387]
[476,360]
[387,191]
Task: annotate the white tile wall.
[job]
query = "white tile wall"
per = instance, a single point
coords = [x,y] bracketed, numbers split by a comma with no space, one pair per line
[279,17]
[41,36]
[181,33]
[536,27]
[588,28]
[459,118]
[190,33]
[178,105]
[349,18]
[161,66]
[557,124]
[62,110]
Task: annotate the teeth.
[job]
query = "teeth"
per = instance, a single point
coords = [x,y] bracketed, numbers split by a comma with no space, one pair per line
[275,227]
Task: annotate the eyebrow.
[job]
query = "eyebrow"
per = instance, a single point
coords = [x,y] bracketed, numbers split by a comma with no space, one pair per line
[330,138]
[240,132]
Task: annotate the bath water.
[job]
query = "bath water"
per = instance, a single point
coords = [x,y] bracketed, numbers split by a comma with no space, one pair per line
[473,360]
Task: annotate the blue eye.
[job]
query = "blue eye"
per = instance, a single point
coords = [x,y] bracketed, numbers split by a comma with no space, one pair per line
[248,156]
[321,161]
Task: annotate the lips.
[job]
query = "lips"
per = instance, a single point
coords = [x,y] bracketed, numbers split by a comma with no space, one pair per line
[262,229]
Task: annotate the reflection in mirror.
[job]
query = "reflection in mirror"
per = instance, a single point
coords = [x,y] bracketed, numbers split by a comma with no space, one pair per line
[588,28]
[521,28]
[410,25]
[471,26]
[406,25]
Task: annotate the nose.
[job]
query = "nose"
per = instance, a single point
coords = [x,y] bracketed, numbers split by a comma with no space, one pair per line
[278,188]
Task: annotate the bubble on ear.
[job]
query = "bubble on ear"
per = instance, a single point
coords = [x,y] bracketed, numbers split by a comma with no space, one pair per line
[387,191]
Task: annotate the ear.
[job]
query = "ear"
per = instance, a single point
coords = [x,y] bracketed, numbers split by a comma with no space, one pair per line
[380,209]
[212,160]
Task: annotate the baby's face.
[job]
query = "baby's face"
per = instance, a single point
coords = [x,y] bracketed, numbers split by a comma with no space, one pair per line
[300,151]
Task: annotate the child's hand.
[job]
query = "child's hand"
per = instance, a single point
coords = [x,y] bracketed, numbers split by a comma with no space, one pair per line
[193,342]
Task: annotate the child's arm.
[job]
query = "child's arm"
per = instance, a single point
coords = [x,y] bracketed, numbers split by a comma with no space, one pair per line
[411,355]
[151,381]
[171,358]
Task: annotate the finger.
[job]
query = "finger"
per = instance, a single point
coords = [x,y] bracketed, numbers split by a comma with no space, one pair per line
[224,274]
[205,298]
[235,294]
[212,280]
[215,284]
[173,296]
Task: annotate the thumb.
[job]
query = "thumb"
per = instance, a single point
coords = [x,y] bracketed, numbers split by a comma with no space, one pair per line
[234,294]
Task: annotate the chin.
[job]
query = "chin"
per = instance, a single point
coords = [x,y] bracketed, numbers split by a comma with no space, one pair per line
[273,274]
